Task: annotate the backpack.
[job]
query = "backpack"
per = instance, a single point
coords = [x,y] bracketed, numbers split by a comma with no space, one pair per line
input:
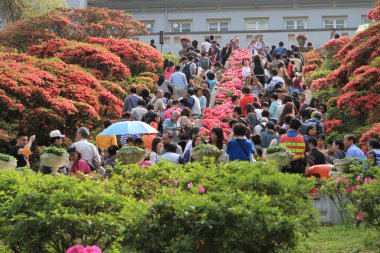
[204,62]
[186,70]
[262,128]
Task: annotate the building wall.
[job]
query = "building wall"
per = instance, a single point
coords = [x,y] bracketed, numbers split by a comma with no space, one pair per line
[77,3]
[315,24]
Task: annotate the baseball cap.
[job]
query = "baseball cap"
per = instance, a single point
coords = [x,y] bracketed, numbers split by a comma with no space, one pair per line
[56,133]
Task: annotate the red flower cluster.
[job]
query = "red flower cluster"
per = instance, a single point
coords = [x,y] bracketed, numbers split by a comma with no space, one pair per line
[375,13]
[373,133]
[309,68]
[138,56]
[335,45]
[332,125]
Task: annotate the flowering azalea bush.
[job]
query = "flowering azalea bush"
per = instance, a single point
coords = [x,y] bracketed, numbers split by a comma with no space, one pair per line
[82,249]
[71,24]
[375,13]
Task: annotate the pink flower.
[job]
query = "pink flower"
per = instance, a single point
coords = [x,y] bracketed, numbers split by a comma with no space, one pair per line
[76,249]
[359,216]
[359,178]
[92,249]
[175,181]
[202,190]
[337,180]
[189,185]
[345,181]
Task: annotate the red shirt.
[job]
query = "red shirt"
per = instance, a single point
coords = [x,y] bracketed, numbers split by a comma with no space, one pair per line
[247,99]
[81,166]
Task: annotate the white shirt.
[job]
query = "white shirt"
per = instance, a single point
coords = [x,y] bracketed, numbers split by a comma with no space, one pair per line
[275,80]
[196,109]
[206,46]
[246,71]
[88,152]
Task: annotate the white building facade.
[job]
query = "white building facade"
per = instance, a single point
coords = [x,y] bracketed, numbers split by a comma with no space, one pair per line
[276,20]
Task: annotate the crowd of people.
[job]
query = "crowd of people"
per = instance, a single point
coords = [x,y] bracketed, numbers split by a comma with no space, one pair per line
[271,111]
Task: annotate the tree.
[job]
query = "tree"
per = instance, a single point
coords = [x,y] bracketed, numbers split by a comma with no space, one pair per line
[13,10]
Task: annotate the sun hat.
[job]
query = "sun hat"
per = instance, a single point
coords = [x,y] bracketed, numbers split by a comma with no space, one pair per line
[56,133]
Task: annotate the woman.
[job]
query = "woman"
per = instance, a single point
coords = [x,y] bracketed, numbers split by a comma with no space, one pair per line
[216,137]
[322,108]
[290,68]
[163,84]
[156,147]
[246,72]
[289,109]
[226,52]
[153,120]
[258,69]
[251,116]
[169,70]
[311,131]
[284,75]
[240,148]
[145,96]
[235,100]
[212,55]
[185,122]
[197,140]
[78,164]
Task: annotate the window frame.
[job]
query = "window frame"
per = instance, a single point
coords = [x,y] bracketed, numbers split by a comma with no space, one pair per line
[297,23]
[255,22]
[219,23]
[334,20]
[180,28]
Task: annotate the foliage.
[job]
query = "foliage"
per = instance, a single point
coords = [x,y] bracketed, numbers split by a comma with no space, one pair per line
[71,24]
[104,64]
[13,10]
[54,151]
[5,157]
[198,207]
[172,57]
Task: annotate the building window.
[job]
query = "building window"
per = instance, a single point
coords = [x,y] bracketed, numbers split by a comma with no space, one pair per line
[295,23]
[149,26]
[365,20]
[334,22]
[180,26]
[218,25]
[256,24]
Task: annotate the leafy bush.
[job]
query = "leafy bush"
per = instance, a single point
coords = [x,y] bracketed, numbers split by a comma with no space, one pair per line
[198,207]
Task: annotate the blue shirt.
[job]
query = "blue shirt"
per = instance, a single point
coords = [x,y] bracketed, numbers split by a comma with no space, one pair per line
[354,151]
[178,80]
[273,110]
[236,152]
[377,152]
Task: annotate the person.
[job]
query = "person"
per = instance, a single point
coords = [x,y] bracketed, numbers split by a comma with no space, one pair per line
[175,107]
[287,108]
[130,102]
[246,72]
[204,61]
[78,163]
[281,50]
[273,107]
[275,79]
[88,151]
[252,119]
[21,150]
[164,84]
[263,121]
[322,108]
[315,156]
[145,95]
[268,135]
[317,122]
[226,52]
[110,161]
[172,125]
[248,98]
[374,145]
[338,149]
[371,159]
[139,111]
[196,141]
[157,102]
[287,120]
[170,154]
[216,137]
[206,45]
[194,103]
[297,62]
[169,70]
[255,139]
[235,100]
[156,147]
[152,43]
[217,52]
[296,84]
[311,132]
[240,148]
[349,141]
[332,33]
[297,144]
[202,99]
[179,82]
[274,64]
[258,69]
[56,140]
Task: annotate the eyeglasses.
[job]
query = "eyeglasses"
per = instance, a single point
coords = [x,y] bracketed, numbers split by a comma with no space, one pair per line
[24,139]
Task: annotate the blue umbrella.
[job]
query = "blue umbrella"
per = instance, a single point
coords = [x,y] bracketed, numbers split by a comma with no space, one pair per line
[129,128]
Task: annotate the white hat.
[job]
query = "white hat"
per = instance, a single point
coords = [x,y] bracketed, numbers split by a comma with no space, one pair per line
[56,133]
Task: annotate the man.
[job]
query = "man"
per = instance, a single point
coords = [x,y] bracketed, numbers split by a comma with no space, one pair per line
[157,102]
[214,44]
[297,62]
[277,60]
[303,127]
[337,147]
[22,149]
[268,135]
[206,46]
[174,107]
[167,137]
[179,83]
[247,98]
[169,153]
[190,52]
[297,144]
[274,80]
[139,111]
[349,141]
[195,106]
[281,50]
[332,33]
[131,101]
[374,145]
[88,151]
[315,157]
[273,107]
[171,124]
[152,43]
[110,161]
[263,122]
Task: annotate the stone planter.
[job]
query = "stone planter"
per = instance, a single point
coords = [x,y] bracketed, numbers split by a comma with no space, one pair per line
[54,162]
[281,158]
[9,165]
[131,155]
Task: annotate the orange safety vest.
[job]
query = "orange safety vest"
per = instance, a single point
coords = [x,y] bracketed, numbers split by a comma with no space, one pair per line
[296,145]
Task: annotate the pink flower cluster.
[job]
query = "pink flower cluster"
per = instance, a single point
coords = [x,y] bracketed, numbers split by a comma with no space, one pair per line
[82,249]
[232,82]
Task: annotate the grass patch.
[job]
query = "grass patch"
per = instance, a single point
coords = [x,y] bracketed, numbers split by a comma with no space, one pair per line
[340,239]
